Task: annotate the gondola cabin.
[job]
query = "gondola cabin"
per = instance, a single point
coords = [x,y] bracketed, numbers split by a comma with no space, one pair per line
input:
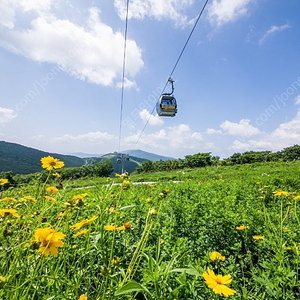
[166,106]
[119,158]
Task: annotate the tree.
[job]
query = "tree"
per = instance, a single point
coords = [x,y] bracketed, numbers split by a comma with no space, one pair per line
[103,169]
[291,153]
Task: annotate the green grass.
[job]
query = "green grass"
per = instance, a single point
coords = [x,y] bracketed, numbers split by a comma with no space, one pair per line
[165,252]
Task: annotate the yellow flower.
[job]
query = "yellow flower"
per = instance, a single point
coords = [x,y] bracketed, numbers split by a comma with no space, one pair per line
[258,237]
[92,219]
[216,256]
[218,283]
[83,223]
[123,176]
[49,163]
[9,211]
[82,232]
[115,260]
[80,224]
[127,225]
[242,227]
[30,198]
[125,181]
[7,199]
[56,175]
[52,189]
[83,297]
[112,210]
[288,248]
[113,227]
[3,181]
[281,193]
[152,211]
[50,198]
[49,239]
[78,197]
[297,197]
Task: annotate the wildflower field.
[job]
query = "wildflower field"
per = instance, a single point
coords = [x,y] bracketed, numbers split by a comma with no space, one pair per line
[217,232]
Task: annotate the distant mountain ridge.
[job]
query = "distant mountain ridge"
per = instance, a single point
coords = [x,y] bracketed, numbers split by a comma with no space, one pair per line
[136,153]
[147,155]
[26,160]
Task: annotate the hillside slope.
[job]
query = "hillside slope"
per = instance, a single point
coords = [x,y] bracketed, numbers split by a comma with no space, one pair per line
[25,160]
[146,155]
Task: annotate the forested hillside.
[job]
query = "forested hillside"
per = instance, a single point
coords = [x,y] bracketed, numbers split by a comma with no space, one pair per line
[25,160]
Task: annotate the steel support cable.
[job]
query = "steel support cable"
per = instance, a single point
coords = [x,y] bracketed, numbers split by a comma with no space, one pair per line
[123,75]
[175,66]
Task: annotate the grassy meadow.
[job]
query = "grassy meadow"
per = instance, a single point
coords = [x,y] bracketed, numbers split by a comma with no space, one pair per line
[208,233]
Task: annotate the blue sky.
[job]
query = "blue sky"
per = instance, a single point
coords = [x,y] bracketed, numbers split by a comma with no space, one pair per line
[237,84]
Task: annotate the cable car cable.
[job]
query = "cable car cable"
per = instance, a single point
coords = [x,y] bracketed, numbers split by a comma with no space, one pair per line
[123,75]
[175,66]
[189,37]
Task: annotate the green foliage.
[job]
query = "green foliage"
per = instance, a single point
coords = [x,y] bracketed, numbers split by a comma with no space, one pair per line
[249,157]
[174,229]
[191,161]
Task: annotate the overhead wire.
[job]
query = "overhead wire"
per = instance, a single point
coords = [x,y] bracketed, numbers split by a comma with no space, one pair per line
[123,75]
[175,66]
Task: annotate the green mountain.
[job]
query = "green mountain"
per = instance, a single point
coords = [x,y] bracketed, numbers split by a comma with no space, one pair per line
[25,160]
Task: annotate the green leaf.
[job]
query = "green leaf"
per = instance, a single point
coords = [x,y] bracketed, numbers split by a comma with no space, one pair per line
[128,206]
[190,271]
[131,286]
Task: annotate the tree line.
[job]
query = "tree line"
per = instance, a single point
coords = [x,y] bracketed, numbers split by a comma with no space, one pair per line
[95,169]
[206,159]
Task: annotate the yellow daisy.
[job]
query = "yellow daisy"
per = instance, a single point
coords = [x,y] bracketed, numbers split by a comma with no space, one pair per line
[9,211]
[216,256]
[51,163]
[218,283]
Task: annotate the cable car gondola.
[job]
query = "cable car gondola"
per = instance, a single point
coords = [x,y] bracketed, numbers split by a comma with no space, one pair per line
[167,105]
[119,158]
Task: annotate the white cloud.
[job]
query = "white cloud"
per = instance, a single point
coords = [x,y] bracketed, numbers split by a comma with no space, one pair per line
[7,15]
[243,129]
[273,30]
[6,115]
[297,102]
[178,139]
[91,137]
[213,131]
[289,131]
[128,84]
[167,9]
[224,11]
[151,119]
[287,134]
[93,52]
